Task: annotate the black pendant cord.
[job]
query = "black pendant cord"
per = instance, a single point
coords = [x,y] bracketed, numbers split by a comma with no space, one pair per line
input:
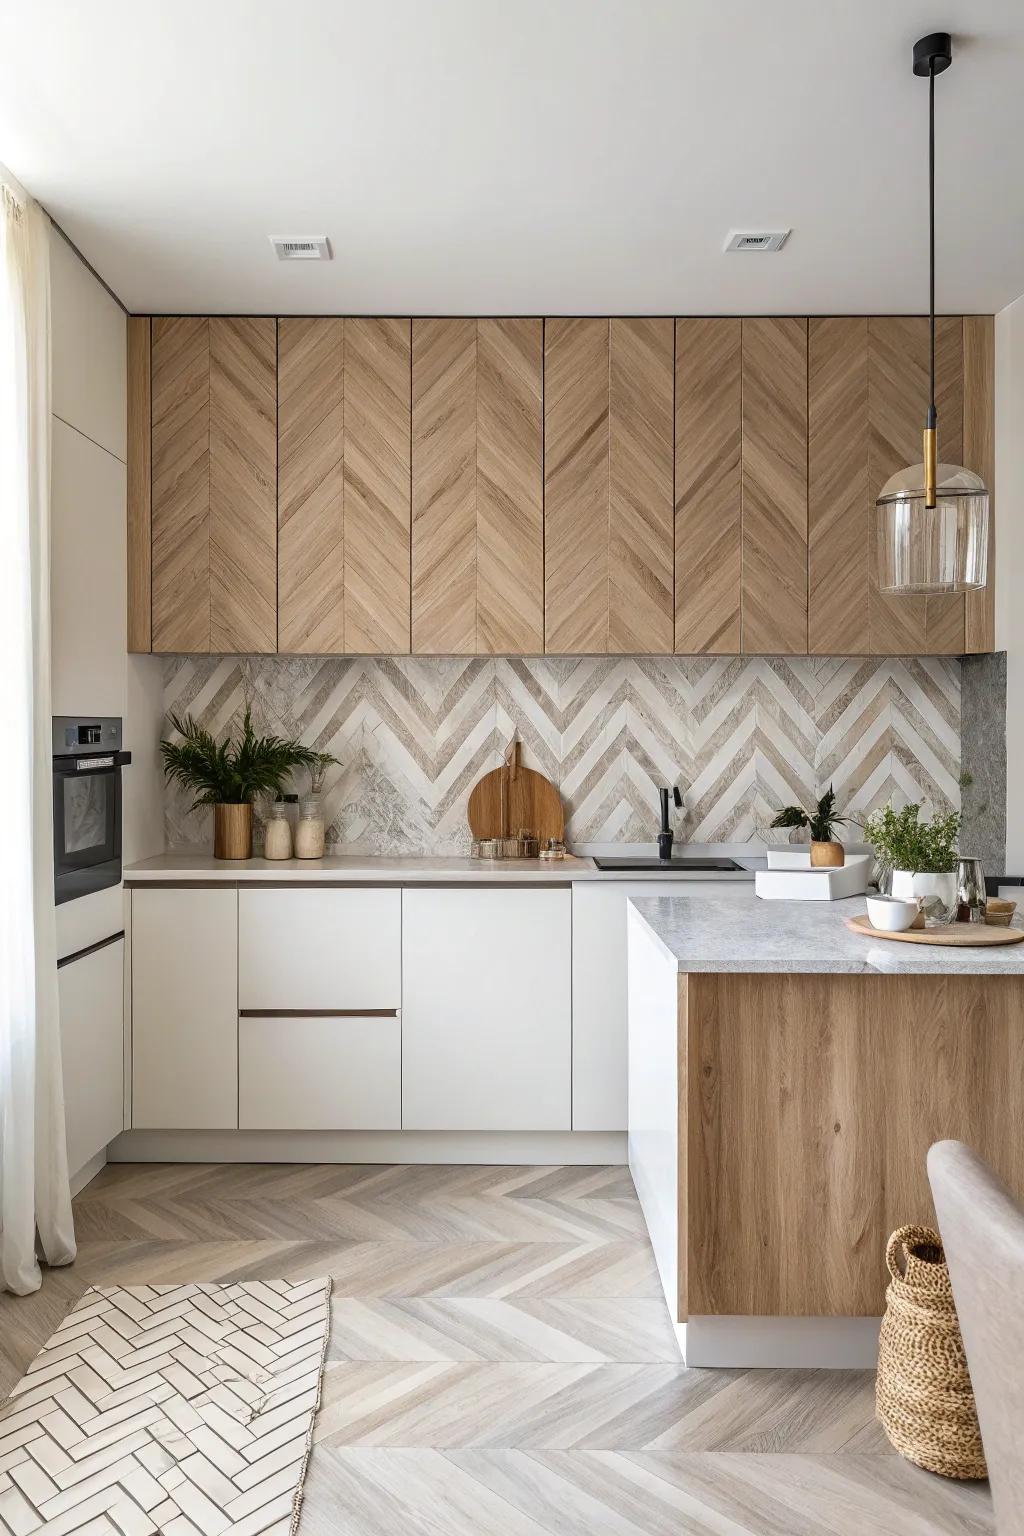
[931,243]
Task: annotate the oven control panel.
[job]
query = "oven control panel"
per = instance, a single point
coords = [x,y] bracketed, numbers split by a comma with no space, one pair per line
[72,735]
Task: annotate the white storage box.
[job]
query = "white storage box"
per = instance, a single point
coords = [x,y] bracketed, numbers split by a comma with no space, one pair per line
[789,877]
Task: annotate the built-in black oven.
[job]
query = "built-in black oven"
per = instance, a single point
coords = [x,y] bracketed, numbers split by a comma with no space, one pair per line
[87,763]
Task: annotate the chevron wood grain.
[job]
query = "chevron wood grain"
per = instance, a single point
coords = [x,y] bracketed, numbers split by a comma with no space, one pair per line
[378,492]
[897,397]
[708,505]
[444,572]
[311,485]
[576,448]
[508,1386]
[979,455]
[509,487]
[641,576]
[774,477]
[181,484]
[243,484]
[140,483]
[840,497]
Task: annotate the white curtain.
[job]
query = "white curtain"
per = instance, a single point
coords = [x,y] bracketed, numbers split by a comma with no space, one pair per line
[34,1193]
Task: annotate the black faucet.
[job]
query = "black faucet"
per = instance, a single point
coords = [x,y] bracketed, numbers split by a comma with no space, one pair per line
[665,835]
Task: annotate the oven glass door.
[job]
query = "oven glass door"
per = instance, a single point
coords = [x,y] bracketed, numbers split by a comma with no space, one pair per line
[86,825]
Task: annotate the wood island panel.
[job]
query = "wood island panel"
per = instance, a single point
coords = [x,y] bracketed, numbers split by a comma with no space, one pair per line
[807,1107]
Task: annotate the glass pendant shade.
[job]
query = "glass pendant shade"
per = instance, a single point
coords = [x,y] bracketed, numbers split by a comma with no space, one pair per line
[944,548]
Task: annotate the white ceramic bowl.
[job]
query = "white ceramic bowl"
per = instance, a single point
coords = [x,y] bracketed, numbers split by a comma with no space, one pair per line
[890,914]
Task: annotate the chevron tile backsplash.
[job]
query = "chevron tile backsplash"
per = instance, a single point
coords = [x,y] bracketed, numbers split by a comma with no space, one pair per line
[741,736]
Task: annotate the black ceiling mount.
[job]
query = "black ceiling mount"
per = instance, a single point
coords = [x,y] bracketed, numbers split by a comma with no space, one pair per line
[933,54]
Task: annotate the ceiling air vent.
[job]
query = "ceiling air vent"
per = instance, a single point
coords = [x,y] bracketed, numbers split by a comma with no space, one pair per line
[756,240]
[301,247]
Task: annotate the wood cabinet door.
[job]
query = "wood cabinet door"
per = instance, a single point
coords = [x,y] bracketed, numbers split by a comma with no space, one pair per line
[608,514]
[477,534]
[774,485]
[311,485]
[841,497]
[708,506]
[378,492]
[181,484]
[214,512]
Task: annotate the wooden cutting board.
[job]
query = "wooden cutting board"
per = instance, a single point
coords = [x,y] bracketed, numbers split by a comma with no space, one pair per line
[511,798]
[958,934]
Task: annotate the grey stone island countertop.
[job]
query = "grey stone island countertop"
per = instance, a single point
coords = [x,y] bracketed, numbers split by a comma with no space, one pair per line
[746,934]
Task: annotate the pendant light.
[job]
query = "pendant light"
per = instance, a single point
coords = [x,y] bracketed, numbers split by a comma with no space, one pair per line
[932,518]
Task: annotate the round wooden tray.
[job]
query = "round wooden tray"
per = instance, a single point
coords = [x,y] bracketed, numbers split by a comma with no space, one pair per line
[958,934]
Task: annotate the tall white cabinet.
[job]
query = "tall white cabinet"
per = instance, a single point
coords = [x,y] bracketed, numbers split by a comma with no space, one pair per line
[185,1010]
[486,1009]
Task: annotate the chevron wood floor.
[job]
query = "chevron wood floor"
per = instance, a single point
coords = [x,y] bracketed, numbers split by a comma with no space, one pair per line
[500,1361]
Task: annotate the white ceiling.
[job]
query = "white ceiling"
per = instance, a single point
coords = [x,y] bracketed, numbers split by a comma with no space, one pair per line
[520,156]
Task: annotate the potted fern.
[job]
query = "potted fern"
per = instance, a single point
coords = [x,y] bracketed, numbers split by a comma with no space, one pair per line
[827,852]
[919,858]
[229,777]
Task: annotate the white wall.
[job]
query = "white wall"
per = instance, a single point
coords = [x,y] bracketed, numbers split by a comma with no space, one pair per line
[92,673]
[1009,504]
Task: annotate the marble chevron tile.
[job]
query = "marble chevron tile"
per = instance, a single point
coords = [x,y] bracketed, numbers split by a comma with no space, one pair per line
[742,736]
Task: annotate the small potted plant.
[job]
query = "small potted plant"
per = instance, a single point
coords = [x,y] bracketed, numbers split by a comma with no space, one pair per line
[827,852]
[229,777]
[919,858]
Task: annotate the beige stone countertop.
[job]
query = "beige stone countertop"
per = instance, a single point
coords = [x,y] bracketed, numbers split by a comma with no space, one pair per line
[349,869]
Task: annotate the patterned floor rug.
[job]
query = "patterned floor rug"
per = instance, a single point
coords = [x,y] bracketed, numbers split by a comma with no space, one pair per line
[183,1410]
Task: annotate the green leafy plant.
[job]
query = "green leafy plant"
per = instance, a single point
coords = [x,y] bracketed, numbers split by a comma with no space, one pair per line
[225,774]
[822,821]
[902,840]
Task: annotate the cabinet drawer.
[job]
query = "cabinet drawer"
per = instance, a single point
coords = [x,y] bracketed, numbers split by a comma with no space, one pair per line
[329,949]
[319,1074]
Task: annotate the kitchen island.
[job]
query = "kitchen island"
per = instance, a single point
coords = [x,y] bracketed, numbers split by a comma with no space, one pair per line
[786,1078]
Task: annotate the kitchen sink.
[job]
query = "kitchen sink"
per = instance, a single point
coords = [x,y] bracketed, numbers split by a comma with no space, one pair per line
[675,866]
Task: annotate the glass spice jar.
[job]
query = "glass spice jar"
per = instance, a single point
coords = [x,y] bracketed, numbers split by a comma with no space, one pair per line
[277,835]
[310,832]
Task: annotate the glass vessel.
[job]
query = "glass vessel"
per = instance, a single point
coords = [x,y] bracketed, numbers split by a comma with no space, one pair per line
[310,832]
[933,550]
[277,835]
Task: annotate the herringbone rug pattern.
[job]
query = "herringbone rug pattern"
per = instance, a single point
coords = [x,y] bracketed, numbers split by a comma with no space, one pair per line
[178,1408]
[500,1360]
[742,737]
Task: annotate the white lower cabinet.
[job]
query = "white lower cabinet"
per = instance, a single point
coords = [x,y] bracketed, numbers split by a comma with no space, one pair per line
[184,1009]
[319,1074]
[599,990]
[486,1011]
[91,991]
[323,949]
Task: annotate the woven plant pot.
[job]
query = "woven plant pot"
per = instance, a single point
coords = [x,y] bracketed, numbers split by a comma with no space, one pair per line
[923,1392]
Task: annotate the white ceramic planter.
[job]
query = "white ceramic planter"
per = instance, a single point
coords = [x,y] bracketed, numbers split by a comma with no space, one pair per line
[937,894]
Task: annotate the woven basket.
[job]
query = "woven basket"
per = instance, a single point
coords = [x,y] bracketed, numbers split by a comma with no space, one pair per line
[923,1392]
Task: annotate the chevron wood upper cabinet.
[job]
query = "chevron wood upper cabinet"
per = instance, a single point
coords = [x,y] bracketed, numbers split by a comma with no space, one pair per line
[608,514]
[214,490]
[867,388]
[708,511]
[774,487]
[343,501]
[477,487]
